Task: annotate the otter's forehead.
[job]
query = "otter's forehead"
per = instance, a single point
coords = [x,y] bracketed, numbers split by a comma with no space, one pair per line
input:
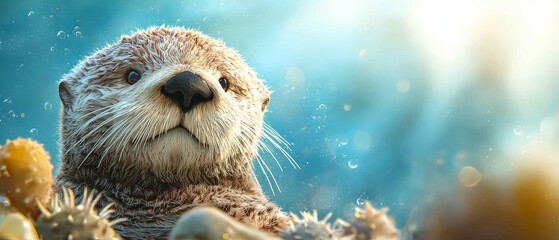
[156,47]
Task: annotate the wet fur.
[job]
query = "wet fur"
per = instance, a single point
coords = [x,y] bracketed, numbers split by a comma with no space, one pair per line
[113,134]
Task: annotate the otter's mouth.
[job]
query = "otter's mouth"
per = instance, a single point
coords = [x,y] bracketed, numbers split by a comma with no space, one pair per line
[177,128]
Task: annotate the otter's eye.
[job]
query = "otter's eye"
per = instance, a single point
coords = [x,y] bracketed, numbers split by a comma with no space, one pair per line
[132,77]
[224,84]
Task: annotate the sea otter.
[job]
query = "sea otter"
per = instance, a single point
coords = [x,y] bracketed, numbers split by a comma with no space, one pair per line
[162,121]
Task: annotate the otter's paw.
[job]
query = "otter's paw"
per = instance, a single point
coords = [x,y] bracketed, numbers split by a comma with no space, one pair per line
[25,175]
[210,223]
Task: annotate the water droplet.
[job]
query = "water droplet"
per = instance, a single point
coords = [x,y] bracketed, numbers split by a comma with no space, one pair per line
[33,131]
[321,107]
[352,164]
[30,13]
[360,201]
[4,201]
[469,176]
[48,106]
[61,34]
[517,131]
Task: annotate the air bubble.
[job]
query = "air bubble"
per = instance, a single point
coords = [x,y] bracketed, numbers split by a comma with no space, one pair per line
[7,101]
[360,201]
[517,131]
[12,113]
[469,176]
[30,13]
[22,115]
[352,164]
[321,107]
[61,34]
[48,106]
[33,131]
[343,142]
[77,31]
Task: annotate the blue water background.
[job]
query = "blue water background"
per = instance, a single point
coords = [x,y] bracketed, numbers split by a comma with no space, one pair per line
[374,108]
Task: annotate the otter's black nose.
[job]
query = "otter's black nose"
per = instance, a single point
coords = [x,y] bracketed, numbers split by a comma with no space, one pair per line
[187,89]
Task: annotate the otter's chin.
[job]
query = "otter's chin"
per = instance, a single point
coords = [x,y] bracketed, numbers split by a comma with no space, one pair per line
[177,137]
[176,145]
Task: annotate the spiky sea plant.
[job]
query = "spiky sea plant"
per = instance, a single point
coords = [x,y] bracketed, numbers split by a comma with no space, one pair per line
[66,220]
[308,226]
[371,223]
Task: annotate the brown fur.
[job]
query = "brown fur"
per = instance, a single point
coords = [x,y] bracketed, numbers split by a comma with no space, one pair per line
[111,133]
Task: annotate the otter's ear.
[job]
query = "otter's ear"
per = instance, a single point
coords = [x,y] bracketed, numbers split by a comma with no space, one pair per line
[65,94]
[265,103]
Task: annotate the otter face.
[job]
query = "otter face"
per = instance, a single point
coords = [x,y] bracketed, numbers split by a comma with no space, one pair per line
[168,99]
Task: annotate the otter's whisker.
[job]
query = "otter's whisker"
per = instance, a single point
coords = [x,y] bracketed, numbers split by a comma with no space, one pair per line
[258,160]
[130,129]
[270,171]
[275,144]
[262,145]
[254,174]
[98,143]
[114,140]
[267,128]
[101,115]
[107,135]
[99,126]
[145,130]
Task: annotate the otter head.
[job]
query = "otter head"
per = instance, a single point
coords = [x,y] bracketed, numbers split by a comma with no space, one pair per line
[169,104]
